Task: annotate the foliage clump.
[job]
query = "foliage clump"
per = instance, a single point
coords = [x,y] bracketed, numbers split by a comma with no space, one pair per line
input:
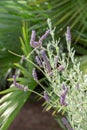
[67,91]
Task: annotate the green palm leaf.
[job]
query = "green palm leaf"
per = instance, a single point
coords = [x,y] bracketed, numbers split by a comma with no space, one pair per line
[14,98]
[11,104]
[70,13]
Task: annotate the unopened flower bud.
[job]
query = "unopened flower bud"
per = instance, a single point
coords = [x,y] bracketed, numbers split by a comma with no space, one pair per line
[34,74]
[20,86]
[38,60]
[33,35]
[44,36]
[45,59]
[63,96]
[68,35]
[66,123]
[36,44]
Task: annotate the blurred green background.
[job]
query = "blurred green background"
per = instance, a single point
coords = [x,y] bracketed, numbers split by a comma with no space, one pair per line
[34,13]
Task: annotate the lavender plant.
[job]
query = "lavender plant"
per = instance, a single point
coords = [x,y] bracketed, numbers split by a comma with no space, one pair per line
[67,91]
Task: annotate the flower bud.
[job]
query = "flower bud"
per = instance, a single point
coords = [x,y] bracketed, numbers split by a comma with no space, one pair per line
[34,74]
[66,123]
[20,86]
[38,61]
[63,96]
[44,36]
[33,35]
[68,35]
[45,59]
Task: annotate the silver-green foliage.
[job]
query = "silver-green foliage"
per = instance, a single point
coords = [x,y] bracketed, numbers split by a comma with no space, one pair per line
[71,77]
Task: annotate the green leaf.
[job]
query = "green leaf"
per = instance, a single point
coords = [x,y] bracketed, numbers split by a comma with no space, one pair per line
[8,90]
[11,104]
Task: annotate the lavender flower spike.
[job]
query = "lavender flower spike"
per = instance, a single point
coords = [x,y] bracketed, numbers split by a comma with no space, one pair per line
[20,86]
[38,61]
[36,44]
[66,123]
[33,35]
[45,59]
[44,36]
[46,97]
[63,96]
[34,74]
[68,35]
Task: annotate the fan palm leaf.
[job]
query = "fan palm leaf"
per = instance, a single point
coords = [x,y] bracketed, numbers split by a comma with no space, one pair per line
[14,98]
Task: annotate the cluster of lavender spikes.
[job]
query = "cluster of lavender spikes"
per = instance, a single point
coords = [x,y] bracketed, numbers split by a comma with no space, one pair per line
[56,67]
[34,43]
[44,58]
[67,84]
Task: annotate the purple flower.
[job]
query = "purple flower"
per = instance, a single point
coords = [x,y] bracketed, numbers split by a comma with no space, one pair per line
[63,96]
[38,60]
[33,35]
[66,123]
[34,74]
[20,86]
[46,97]
[68,35]
[36,44]
[61,68]
[44,36]
[45,59]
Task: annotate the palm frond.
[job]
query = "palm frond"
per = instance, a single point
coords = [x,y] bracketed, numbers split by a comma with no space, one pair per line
[14,98]
[11,104]
[70,13]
